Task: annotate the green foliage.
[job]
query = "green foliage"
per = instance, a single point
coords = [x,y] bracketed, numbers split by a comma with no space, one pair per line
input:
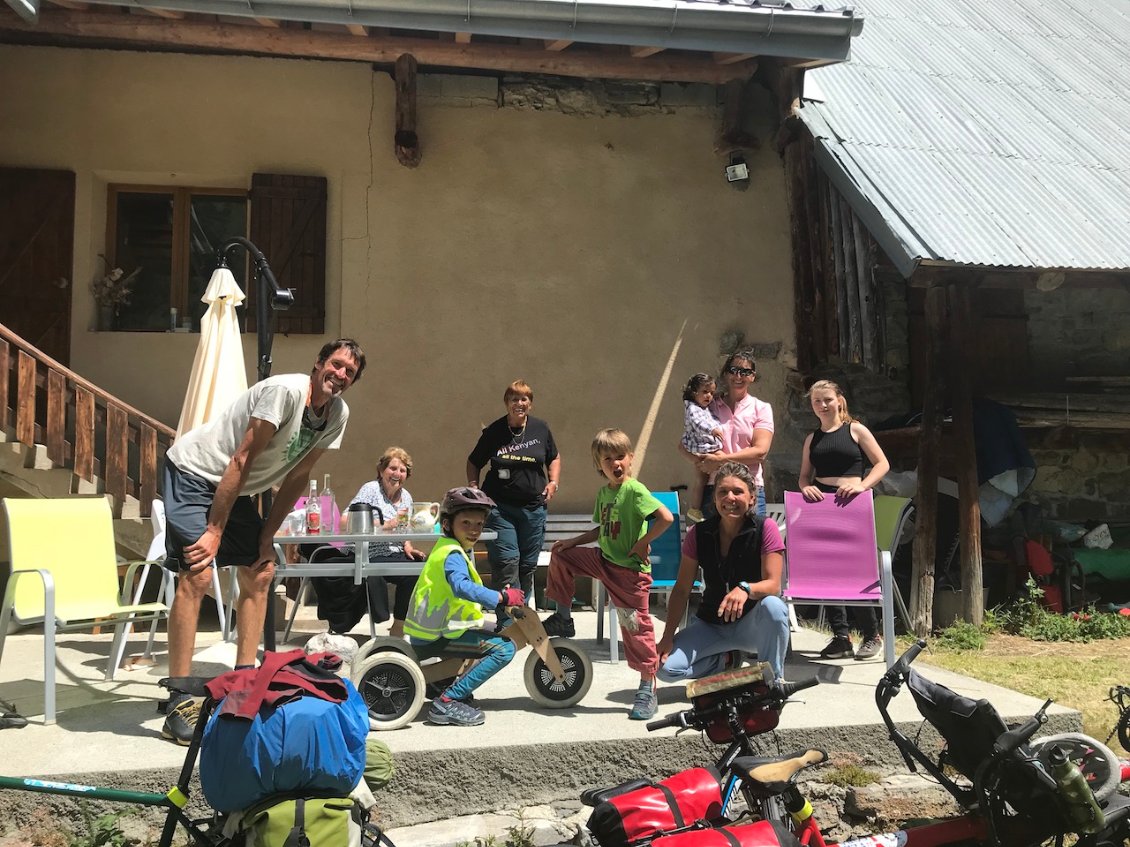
[1028,618]
[961,635]
[519,835]
[849,776]
[103,831]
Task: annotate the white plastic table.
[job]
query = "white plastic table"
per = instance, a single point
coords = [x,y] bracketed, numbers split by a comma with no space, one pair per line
[359,568]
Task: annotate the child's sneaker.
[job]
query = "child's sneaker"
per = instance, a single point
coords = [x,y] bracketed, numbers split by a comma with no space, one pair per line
[869,649]
[559,627]
[695,516]
[454,713]
[838,648]
[646,703]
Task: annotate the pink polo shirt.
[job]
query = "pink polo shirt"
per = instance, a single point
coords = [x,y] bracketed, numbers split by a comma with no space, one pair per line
[738,426]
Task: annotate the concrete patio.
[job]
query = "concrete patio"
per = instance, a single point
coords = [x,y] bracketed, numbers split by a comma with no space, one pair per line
[108,733]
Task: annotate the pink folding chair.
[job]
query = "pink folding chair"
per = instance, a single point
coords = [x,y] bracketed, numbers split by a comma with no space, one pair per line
[832,557]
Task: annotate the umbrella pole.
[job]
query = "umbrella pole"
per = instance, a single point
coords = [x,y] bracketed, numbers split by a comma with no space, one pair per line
[270,297]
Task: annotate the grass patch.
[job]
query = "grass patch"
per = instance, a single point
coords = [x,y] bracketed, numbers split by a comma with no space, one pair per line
[1074,674]
[849,776]
[1074,659]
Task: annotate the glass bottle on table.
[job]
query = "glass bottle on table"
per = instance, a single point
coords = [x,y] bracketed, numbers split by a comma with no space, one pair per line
[313,510]
[328,506]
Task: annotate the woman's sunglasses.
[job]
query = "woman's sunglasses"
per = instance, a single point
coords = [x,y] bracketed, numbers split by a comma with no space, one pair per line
[736,371]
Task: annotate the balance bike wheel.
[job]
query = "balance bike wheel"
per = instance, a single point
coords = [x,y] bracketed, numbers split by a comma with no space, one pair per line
[1124,731]
[379,644]
[547,691]
[392,686]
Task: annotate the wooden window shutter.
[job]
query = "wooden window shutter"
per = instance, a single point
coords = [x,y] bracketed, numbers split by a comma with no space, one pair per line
[288,223]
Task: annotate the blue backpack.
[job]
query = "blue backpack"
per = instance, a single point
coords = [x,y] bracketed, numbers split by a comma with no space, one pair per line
[306,745]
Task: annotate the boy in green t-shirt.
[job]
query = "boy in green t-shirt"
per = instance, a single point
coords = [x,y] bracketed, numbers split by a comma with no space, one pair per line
[623,509]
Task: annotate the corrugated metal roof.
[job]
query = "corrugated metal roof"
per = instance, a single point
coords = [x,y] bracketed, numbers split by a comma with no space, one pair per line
[985,132]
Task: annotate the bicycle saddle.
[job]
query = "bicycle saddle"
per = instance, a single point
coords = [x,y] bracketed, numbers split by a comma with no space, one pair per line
[768,775]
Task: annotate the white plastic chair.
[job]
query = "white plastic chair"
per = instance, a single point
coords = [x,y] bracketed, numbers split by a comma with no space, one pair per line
[167,592]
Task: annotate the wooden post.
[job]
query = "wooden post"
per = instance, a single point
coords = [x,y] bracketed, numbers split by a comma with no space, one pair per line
[406,142]
[962,340]
[926,501]
[732,135]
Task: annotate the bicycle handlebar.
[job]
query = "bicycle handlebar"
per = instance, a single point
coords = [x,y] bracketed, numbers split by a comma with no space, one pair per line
[788,689]
[778,693]
[1010,741]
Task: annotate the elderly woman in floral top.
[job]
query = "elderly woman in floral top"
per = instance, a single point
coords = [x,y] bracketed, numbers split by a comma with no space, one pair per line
[340,603]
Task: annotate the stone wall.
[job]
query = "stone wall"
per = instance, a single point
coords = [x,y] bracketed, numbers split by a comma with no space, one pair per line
[1081,475]
[1078,332]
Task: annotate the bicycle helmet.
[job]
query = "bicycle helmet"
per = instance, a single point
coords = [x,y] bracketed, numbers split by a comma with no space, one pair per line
[461,499]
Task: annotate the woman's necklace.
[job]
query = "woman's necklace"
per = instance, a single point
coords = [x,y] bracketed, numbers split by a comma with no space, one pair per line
[521,430]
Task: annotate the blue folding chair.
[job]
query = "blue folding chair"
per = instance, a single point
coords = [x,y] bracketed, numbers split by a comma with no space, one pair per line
[666,554]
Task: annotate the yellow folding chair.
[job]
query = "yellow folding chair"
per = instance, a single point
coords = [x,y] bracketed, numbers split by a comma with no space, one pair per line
[69,544]
[891,516]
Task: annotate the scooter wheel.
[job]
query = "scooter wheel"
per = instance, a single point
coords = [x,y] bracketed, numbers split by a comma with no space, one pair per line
[392,686]
[547,691]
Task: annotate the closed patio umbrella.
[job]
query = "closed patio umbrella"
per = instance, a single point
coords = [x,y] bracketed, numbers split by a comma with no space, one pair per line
[218,374]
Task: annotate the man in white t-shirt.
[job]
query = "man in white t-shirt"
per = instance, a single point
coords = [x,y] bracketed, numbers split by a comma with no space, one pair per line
[273,434]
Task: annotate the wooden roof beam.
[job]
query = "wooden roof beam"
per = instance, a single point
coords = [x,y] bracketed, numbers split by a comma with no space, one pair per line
[732,58]
[74,5]
[168,14]
[931,274]
[559,45]
[358,30]
[462,38]
[187,34]
[270,23]
[644,52]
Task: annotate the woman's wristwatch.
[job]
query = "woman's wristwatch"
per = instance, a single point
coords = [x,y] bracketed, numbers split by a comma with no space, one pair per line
[744,586]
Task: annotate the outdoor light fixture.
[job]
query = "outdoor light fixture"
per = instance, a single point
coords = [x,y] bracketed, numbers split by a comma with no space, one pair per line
[737,172]
[270,296]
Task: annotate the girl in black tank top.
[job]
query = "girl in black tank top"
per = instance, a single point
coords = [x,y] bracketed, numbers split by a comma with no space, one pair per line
[837,452]
[833,461]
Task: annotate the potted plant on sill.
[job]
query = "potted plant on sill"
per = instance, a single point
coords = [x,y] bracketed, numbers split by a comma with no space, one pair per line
[111,291]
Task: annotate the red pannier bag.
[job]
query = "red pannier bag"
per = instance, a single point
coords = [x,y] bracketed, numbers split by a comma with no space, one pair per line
[760,834]
[673,804]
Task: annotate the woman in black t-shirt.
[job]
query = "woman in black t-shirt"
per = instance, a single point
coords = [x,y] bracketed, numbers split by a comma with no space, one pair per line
[522,477]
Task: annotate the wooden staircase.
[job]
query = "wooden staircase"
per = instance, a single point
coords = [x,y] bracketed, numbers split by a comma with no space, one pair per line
[65,435]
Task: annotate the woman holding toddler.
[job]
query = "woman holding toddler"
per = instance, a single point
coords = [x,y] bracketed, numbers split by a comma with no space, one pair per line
[747,429]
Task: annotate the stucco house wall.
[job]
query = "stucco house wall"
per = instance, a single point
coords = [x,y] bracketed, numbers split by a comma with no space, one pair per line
[602,258]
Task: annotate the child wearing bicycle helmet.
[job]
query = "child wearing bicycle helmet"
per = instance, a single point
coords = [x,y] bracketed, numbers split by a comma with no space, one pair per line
[447,605]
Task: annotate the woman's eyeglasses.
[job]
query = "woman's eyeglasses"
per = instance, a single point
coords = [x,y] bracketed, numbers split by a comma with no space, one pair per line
[736,371]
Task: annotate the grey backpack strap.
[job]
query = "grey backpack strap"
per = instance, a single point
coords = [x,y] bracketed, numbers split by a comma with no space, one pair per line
[297,836]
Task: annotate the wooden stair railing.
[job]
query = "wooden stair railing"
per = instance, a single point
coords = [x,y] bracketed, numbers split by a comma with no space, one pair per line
[84,428]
